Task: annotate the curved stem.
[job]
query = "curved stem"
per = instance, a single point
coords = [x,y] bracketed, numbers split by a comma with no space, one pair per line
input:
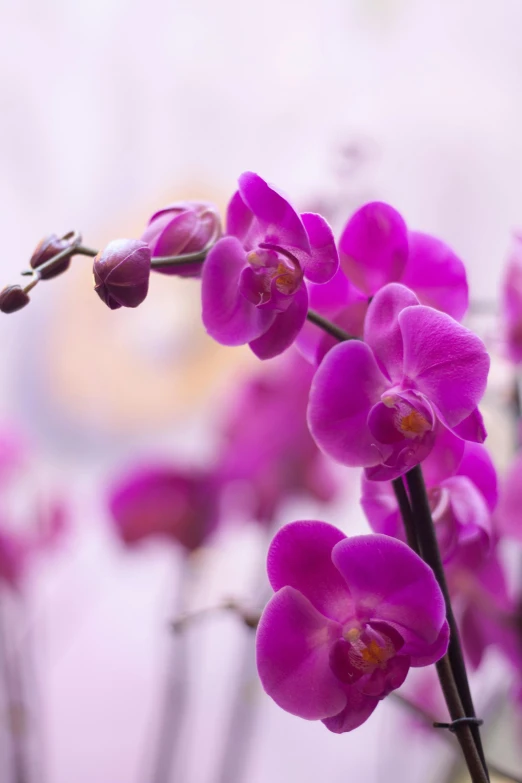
[189,258]
[430,553]
[429,720]
[407,516]
[476,765]
[330,328]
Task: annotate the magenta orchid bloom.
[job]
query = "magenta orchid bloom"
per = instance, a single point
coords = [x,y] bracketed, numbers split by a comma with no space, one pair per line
[375,249]
[268,447]
[253,288]
[377,404]
[162,501]
[509,511]
[486,612]
[348,620]
[462,492]
[512,302]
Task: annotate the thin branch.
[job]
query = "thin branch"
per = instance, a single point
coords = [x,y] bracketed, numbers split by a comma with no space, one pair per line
[330,328]
[430,553]
[428,719]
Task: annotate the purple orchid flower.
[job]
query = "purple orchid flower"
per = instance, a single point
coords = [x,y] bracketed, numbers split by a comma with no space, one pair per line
[375,249]
[462,492]
[162,501]
[377,404]
[486,612]
[348,620]
[509,512]
[253,288]
[512,302]
[267,445]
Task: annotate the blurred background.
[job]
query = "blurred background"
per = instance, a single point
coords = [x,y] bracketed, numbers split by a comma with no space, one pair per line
[108,111]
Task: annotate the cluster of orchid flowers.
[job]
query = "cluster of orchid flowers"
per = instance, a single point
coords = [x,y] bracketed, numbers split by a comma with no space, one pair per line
[379,374]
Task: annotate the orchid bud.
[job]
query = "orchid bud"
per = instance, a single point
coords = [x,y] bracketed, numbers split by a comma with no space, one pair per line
[48,247]
[121,273]
[179,229]
[13,298]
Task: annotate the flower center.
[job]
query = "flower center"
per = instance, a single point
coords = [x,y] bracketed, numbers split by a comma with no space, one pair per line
[368,649]
[407,419]
[367,657]
[271,278]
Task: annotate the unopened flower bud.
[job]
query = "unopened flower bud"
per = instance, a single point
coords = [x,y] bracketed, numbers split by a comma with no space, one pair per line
[121,273]
[13,298]
[182,228]
[48,247]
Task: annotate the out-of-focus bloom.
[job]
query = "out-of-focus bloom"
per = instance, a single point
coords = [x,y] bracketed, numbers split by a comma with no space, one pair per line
[509,512]
[376,248]
[19,548]
[462,492]
[253,287]
[13,298]
[268,446]
[121,273]
[178,505]
[485,610]
[376,404]
[182,228]
[348,620]
[512,302]
[32,529]
[29,529]
[48,247]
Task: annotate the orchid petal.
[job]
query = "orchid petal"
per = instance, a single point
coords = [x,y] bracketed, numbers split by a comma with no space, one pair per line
[323,262]
[228,317]
[446,362]
[358,709]
[301,549]
[345,387]
[292,647]
[284,329]
[278,221]
[382,331]
[389,582]
[436,274]
[373,247]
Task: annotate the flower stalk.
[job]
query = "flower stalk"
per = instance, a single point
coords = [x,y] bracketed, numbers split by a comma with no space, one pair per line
[421,536]
[429,551]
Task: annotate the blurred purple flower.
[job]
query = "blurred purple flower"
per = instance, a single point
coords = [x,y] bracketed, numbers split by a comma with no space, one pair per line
[348,620]
[18,548]
[253,287]
[486,612]
[512,302]
[375,249]
[181,228]
[376,404]
[177,505]
[462,492]
[509,512]
[121,273]
[268,446]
